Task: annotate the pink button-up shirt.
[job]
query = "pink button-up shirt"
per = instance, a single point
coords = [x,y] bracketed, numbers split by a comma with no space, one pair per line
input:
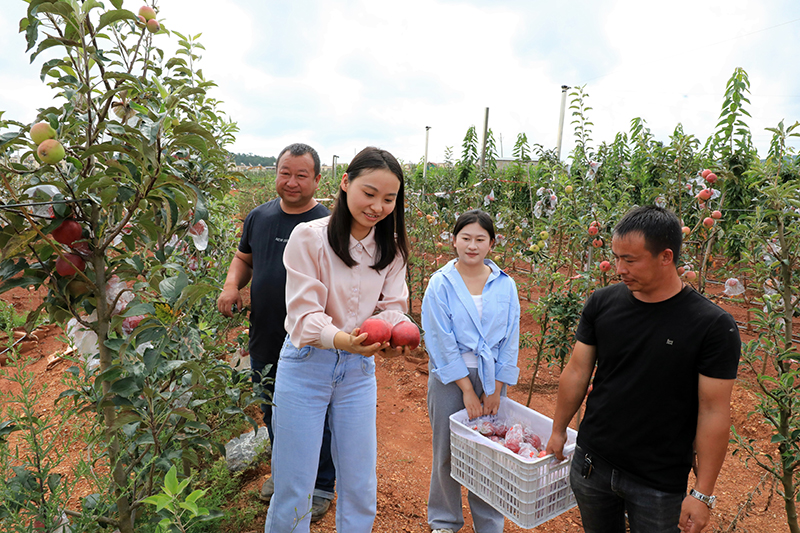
[325,296]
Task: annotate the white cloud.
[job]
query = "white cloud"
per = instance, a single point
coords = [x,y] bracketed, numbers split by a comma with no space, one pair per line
[342,74]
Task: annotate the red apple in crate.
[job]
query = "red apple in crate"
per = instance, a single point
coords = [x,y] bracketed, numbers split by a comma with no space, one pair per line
[68,232]
[405,334]
[64,268]
[377,330]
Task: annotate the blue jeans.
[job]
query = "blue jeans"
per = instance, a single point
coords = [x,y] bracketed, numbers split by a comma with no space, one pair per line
[310,384]
[608,494]
[326,473]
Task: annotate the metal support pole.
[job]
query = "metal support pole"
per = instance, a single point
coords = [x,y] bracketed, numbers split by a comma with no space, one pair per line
[564,89]
[425,162]
[333,168]
[485,133]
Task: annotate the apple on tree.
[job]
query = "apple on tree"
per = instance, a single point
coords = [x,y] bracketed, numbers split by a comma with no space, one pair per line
[605,266]
[68,232]
[153,26]
[67,265]
[51,152]
[716,214]
[704,195]
[593,230]
[41,132]
[147,12]
[708,222]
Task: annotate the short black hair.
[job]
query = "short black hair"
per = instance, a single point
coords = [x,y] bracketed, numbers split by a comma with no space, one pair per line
[660,228]
[300,149]
[475,215]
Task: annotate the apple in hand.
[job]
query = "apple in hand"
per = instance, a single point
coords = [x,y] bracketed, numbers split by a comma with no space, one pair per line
[64,268]
[405,334]
[68,232]
[41,132]
[51,152]
[377,330]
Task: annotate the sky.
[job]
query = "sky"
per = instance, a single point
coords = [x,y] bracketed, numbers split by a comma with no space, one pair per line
[344,74]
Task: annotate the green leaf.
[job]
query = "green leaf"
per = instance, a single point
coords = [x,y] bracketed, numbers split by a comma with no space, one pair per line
[171,288]
[184,412]
[171,486]
[125,387]
[194,141]
[159,500]
[124,418]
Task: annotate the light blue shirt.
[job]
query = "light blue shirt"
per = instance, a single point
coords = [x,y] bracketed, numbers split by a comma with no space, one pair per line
[452,326]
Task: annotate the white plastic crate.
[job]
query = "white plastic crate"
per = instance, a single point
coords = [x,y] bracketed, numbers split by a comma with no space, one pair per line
[528,492]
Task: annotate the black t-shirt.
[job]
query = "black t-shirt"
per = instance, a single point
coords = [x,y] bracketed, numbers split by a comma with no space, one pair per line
[265,234]
[641,415]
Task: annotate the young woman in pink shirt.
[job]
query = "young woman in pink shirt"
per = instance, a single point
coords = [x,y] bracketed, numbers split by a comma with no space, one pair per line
[339,270]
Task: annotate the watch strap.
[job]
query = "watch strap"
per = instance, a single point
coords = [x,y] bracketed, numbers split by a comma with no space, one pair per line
[708,500]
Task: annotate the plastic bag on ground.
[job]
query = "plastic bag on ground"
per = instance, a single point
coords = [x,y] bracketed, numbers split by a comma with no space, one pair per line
[241,451]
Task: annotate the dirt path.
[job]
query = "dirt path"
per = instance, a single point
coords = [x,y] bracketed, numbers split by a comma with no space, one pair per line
[404,454]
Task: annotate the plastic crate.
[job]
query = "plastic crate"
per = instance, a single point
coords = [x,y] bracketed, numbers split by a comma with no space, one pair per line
[528,492]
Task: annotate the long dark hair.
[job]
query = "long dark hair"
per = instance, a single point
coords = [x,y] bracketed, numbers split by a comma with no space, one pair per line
[390,233]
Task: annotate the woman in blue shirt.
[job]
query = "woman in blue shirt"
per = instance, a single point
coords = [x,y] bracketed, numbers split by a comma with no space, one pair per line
[470,318]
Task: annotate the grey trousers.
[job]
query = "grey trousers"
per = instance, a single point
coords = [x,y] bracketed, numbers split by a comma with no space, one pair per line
[444,499]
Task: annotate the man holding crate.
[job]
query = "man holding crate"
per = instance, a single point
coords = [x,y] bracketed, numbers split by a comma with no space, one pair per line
[664,360]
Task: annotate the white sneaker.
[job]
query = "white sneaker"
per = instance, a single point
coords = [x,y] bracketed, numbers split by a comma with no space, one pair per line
[444,530]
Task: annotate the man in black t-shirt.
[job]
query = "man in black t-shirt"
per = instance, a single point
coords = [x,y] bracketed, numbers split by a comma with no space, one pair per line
[664,360]
[260,258]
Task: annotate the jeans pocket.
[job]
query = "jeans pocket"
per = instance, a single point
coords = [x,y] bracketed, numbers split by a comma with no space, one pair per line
[368,365]
[292,353]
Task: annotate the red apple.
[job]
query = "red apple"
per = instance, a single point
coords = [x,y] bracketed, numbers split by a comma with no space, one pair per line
[691,275]
[51,152]
[41,132]
[68,232]
[597,243]
[130,323]
[711,178]
[147,12]
[605,266]
[708,222]
[705,173]
[716,215]
[64,268]
[686,230]
[377,330]
[705,194]
[153,26]
[592,230]
[405,334]
[681,270]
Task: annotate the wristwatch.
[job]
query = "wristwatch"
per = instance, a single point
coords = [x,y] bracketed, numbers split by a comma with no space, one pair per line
[708,500]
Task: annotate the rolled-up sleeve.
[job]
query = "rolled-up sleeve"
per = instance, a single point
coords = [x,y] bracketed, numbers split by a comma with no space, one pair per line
[306,296]
[440,339]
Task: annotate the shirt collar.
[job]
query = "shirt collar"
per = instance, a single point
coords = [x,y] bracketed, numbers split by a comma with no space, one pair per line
[368,242]
[450,269]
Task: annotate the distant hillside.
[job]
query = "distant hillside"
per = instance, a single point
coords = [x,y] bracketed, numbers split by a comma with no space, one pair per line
[253,160]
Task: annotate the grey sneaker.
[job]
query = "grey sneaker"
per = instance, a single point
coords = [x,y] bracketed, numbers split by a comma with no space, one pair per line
[267,490]
[319,506]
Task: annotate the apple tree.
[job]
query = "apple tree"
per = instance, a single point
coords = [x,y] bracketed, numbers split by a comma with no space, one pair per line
[771,238]
[105,197]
